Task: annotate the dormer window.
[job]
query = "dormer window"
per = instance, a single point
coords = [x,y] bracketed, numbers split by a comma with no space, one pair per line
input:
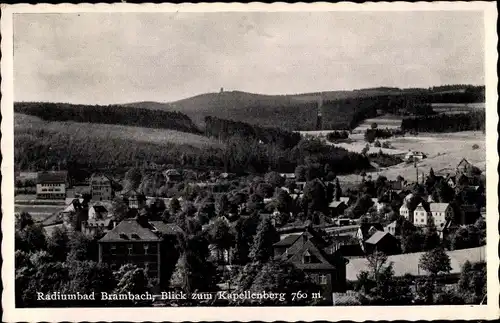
[306,257]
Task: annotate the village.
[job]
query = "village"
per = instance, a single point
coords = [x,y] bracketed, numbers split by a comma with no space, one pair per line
[328,229]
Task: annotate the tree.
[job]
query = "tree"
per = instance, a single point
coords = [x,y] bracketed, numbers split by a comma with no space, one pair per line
[282,278]
[378,286]
[245,230]
[134,280]
[221,236]
[119,209]
[132,178]
[283,201]
[87,277]
[274,179]
[431,238]
[23,220]
[412,241]
[472,283]
[374,125]
[58,244]
[255,203]
[175,205]
[435,261]
[82,247]
[377,143]
[314,198]
[266,236]
[300,173]
[33,238]
[467,237]
[223,205]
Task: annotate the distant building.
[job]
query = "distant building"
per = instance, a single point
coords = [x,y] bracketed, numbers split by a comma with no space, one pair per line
[337,208]
[384,242]
[146,244]
[172,176]
[94,226]
[101,188]
[134,199]
[52,185]
[414,156]
[98,211]
[404,211]
[439,212]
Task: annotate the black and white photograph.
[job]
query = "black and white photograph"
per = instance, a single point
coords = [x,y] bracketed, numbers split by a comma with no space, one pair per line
[198,157]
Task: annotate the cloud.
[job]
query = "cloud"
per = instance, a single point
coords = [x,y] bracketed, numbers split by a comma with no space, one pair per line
[111,57]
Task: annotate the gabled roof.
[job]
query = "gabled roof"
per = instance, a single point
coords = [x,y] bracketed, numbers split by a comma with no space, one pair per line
[52,177]
[131,192]
[99,177]
[166,228]
[310,248]
[336,204]
[463,163]
[287,241]
[438,207]
[129,231]
[377,236]
[172,172]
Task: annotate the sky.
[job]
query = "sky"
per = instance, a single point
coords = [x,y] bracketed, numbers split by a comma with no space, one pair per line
[106,58]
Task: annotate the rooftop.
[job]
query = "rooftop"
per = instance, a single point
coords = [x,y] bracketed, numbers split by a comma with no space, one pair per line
[438,207]
[52,177]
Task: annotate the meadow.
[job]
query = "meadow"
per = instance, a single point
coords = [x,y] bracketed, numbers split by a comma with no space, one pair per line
[105,131]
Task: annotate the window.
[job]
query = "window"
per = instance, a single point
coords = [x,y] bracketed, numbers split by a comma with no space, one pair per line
[130,248]
[113,250]
[146,247]
[323,280]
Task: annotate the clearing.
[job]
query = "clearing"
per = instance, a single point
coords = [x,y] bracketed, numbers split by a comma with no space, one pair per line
[150,135]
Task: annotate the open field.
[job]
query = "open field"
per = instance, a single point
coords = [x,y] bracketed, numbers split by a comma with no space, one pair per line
[444,152]
[150,135]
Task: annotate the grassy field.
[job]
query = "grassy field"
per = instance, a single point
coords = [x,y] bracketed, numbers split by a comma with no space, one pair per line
[140,134]
[454,108]
[383,122]
[444,152]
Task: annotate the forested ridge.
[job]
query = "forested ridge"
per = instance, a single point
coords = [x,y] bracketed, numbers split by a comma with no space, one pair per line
[108,114]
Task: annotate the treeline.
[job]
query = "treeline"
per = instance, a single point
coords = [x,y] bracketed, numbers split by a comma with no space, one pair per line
[446,122]
[337,135]
[224,129]
[41,149]
[372,134]
[108,114]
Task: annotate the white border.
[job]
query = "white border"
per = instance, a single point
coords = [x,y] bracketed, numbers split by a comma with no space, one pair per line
[490,311]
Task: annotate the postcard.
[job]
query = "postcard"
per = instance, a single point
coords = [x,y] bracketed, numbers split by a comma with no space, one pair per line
[293,162]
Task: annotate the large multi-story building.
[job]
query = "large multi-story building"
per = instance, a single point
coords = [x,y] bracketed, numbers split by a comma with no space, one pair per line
[438,212]
[101,188]
[146,244]
[52,185]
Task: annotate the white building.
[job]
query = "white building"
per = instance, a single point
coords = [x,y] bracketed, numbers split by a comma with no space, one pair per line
[52,185]
[404,211]
[440,211]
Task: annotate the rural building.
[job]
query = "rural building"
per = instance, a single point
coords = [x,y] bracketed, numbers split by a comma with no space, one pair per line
[101,188]
[308,252]
[366,230]
[337,208]
[404,211]
[52,185]
[393,228]
[93,226]
[420,216]
[98,211]
[172,176]
[383,242]
[146,244]
[414,156]
[439,212]
[134,199]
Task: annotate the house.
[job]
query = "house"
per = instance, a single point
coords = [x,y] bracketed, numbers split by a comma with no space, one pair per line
[308,252]
[300,186]
[451,181]
[383,242]
[172,176]
[337,208]
[98,211]
[414,156]
[52,185]
[346,199]
[440,212]
[379,206]
[393,228]
[421,216]
[101,188]
[146,244]
[134,199]
[93,226]
[288,175]
[463,167]
[366,230]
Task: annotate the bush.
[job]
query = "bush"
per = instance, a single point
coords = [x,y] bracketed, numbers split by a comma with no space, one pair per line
[377,143]
[475,146]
